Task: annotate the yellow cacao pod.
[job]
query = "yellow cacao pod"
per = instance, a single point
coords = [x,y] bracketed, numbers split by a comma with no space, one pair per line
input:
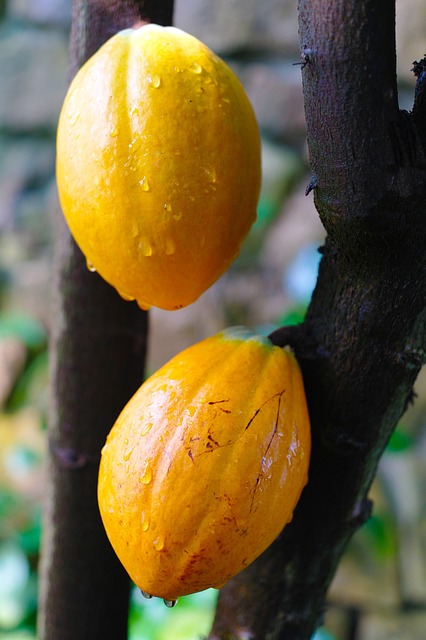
[205,464]
[158,165]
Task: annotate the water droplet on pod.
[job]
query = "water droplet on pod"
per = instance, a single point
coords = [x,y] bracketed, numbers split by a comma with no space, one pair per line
[145,521]
[127,454]
[196,68]
[146,595]
[158,544]
[170,603]
[90,266]
[154,80]
[145,247]
[147,428]
[147,475]
[145,184]
[114,132]
[168,207]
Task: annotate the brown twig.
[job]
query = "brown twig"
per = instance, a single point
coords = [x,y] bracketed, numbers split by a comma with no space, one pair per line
[97,353]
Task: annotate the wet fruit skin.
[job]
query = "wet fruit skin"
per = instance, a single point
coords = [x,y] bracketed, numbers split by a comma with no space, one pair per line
[158,165]
[205,464]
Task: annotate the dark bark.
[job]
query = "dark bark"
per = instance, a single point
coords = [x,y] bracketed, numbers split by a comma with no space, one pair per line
[94,21]
[363,341]
[97,352]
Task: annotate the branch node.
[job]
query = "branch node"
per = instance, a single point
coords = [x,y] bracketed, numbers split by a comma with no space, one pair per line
[411,358]
[298,338]
[311,186]
[419,67]
[361,512]
[70,458]
[410,399]
[343,443]
[305,58]
[284,336]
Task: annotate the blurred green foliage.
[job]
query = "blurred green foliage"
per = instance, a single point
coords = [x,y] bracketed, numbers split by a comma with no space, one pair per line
[21,471]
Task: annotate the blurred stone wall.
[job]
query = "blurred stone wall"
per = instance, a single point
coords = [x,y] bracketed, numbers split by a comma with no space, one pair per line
[33,78]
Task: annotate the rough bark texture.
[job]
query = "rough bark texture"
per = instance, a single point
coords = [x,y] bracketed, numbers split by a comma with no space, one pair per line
[97,354]
[364,338]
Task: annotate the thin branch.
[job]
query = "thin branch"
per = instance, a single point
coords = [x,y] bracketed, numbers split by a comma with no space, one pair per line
[364,337]
[351,78]
[97,354]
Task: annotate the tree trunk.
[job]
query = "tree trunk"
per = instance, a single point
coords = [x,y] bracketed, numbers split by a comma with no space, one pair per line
[97,352]
[363,341]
